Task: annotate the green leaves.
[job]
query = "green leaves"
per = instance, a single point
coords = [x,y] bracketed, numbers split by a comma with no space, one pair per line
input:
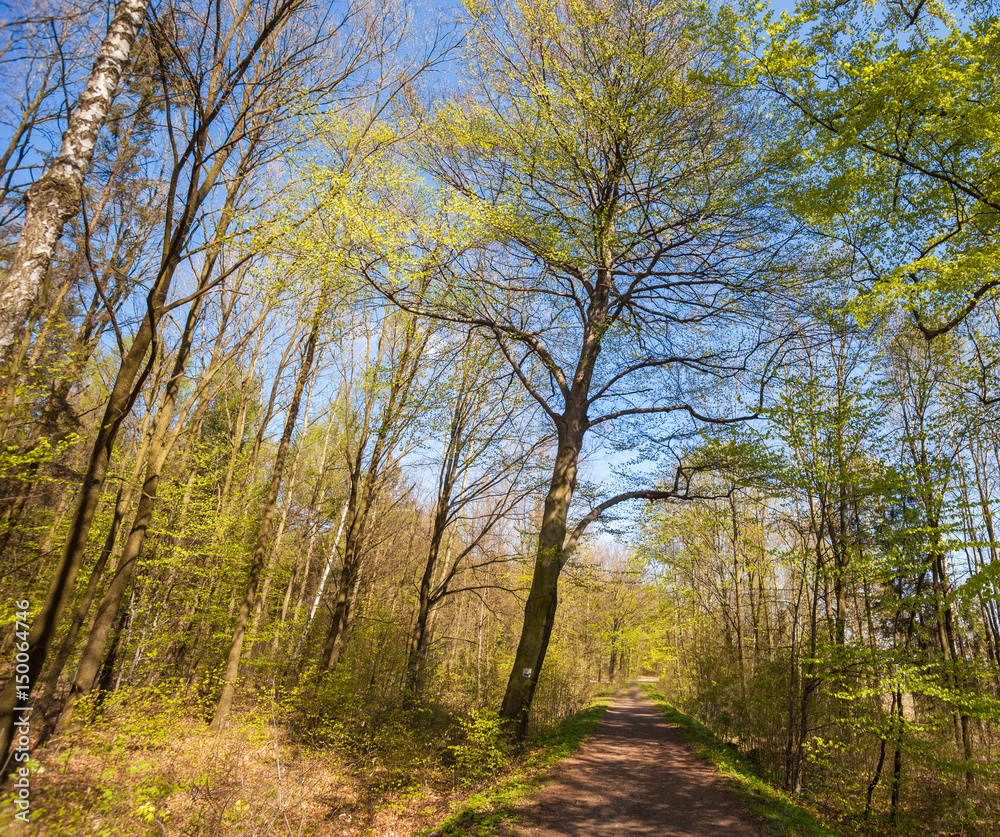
[896,124]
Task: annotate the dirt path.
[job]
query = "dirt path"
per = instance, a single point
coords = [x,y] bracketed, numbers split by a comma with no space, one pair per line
[634,776]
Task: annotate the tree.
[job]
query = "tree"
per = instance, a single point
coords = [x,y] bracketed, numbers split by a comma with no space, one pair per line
[391,398]
[239,105]
[918,373]
[617,241]
[163,437]
[55,197]
[260,551]
[485,471]
[829,419]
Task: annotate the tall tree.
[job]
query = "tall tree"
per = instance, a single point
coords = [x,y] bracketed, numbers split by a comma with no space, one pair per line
[391,398]
[628,241]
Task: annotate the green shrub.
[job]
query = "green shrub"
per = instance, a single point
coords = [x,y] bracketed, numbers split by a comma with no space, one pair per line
[483,751]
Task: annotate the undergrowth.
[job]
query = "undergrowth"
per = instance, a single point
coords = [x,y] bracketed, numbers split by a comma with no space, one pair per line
[327,763]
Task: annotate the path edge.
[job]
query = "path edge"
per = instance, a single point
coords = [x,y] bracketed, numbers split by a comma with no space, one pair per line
[775,812]
[493,804]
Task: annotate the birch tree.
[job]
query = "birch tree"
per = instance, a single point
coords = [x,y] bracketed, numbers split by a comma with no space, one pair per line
[55,197]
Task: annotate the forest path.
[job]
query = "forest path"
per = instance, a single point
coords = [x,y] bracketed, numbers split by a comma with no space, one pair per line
[634,776]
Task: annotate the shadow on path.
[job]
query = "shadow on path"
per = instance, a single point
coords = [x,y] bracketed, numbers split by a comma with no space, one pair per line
[634,776]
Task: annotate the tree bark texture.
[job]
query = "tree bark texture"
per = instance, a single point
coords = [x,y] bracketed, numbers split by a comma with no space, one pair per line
[540,608]
[55,197]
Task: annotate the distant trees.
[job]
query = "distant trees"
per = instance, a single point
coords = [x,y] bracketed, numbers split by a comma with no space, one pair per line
[262,542]
[849,575]
[390,401]
[488,468]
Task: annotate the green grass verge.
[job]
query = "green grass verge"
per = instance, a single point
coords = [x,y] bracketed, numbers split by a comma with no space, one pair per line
[778,812]
[487,811]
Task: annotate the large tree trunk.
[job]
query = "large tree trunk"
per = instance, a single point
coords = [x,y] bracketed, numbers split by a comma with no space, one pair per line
[540,608]
[263,536]
[104,683]
[55,197]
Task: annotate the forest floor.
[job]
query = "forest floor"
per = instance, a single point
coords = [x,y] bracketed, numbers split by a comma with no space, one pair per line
[151,768]
[634,776]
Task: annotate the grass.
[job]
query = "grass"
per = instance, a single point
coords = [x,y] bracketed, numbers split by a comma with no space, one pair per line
[489,810]
[778,813]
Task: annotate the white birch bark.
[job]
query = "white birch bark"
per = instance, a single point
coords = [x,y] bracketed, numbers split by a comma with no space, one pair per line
[322,581]
[55,197]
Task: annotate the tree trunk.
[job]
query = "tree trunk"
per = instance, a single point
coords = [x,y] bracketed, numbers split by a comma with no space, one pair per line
[540,608]
[322,582]
[260,610]
[366,484]
[119,406]
[55,197]
[348,584]
[104,682]
[317,502]
[160,447]
[420,635]
[52,679]
[897,762]
[430,593]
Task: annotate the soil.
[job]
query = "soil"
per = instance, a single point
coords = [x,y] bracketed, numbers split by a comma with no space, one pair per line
[634,776]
